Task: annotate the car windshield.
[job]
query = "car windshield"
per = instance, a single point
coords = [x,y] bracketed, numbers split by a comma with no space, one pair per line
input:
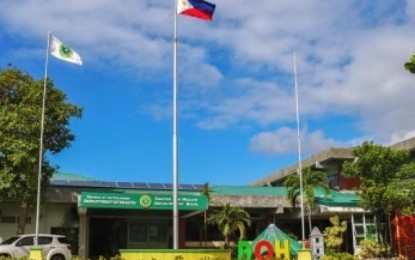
[9,241]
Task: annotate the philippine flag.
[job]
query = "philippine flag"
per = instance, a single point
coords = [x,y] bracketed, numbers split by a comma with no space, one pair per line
[196,8]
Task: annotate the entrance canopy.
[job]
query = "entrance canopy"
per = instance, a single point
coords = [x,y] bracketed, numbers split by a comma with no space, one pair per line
[145,200]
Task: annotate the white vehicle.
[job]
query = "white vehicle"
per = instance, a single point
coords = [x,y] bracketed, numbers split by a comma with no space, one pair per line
[54,247]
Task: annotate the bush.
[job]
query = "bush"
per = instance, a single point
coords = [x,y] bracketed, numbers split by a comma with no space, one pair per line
[371,248]
[339,256]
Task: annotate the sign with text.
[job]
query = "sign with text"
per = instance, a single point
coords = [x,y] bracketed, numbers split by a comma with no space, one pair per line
[152,201]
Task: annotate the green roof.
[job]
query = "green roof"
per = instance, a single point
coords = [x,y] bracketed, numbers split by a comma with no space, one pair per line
[336,198]
[249,190]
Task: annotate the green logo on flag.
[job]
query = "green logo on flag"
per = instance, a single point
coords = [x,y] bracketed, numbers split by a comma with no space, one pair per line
[65,51]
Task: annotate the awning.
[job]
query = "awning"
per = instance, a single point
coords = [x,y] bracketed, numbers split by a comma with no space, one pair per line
[339,199]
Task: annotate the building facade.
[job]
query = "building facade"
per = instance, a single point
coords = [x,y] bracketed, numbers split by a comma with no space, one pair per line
[330,161]
[100,217]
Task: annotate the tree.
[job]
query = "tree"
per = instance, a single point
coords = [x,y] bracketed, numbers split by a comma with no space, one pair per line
[410,65]
[230,220]
[333,239]
[20,115]
[333,236]
[311,181]
[386,176]
[206,190]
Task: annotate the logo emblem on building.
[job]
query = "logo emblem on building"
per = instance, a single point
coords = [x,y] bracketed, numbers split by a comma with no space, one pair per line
[145,201]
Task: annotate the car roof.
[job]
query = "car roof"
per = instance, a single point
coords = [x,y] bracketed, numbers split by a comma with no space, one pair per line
[48,235]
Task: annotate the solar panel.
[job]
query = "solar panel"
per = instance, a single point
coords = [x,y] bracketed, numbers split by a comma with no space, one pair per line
[199,186]
[59,182]
[124,184]
[140,185]
[168,185]
[108,184]
[188,186]
[85,183]
[156,185]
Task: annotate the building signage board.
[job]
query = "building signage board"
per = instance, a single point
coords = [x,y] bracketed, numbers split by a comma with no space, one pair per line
[151,201]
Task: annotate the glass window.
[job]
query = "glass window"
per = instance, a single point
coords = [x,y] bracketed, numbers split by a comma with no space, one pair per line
[332,180]
[358,219]
[370,219]
[154,233]
[137,232]
[45,240]
[8,219]
[63,240]
[359,230]
[9,241]
[25,241]
[371,231]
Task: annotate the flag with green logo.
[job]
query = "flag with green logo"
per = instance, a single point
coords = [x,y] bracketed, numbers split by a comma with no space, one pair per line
[63,52]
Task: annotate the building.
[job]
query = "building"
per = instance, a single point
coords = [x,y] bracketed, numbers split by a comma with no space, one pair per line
[330,161]
[100,217]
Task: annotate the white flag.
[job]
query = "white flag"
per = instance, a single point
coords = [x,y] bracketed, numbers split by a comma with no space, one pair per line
[63,52]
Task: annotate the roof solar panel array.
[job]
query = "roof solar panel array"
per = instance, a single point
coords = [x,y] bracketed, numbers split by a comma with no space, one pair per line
[123,185]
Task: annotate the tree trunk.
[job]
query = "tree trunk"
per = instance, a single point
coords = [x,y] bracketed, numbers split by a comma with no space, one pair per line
[391,243]
[22,218]
[205,227]
[309,220]
[226,242]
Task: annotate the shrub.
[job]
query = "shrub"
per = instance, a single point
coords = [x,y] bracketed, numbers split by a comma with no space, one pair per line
[339,256]
[372,248]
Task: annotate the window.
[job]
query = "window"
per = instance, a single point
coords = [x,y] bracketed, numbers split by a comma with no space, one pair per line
[8,219]
[332,180]
[157,233]
[25,241]
[137,232]
[363,227]
[45,240]
[9,241]
[63,240]
[144,232]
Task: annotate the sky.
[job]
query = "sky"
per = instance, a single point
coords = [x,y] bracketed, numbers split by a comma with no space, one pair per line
[237,106]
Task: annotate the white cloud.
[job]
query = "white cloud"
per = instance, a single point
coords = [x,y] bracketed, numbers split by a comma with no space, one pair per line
[400,136]
[284,141]
[237,70]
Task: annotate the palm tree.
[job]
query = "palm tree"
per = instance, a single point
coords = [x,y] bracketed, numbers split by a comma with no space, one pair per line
[311,181]
[230,219]
[410,65]
[206,190]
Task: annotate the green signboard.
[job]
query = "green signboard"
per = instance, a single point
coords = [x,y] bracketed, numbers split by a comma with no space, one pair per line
[152,201]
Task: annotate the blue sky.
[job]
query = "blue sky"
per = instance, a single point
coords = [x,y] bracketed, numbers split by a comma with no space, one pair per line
[236,93]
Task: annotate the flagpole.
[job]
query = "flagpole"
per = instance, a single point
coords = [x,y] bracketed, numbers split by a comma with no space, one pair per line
[300,173]
[175,144]
[42,122]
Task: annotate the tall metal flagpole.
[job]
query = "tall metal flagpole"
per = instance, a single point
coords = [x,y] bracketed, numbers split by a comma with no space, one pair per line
[300,173]
[42,122]
[175,145]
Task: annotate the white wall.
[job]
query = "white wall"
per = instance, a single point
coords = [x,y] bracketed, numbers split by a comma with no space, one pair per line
[52,215]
